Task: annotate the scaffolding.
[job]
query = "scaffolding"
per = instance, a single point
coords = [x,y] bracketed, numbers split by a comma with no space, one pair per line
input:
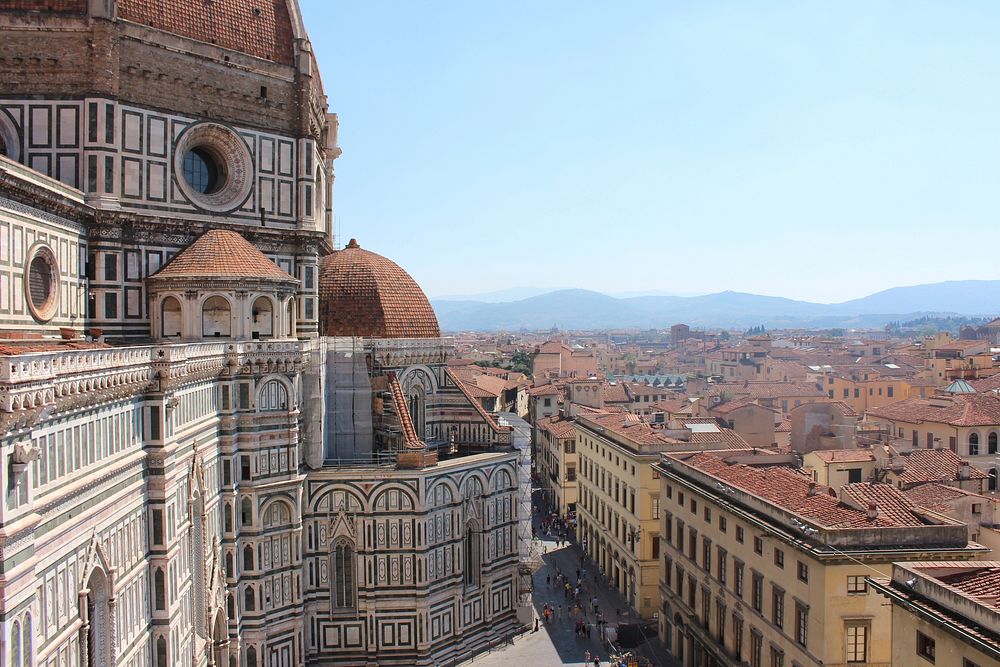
[529,560]
[348,392]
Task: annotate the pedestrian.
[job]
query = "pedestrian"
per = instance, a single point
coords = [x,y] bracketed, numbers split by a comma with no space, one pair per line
[548,581]
[586,656]
[593,602]
[597,661]
[558,612]
[587,627]
[578,574]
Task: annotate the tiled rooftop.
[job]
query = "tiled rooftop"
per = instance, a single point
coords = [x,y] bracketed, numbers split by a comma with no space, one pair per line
[220,253]
[365,294]
[934,465]
[981,409]
[789,490]
[844,455]
[262,28]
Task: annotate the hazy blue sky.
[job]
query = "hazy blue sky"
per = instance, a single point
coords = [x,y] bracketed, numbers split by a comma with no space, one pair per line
[820,151]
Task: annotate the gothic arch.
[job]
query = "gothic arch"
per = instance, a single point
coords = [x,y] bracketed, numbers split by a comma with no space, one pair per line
[274,390]
[387,500]
[418,375]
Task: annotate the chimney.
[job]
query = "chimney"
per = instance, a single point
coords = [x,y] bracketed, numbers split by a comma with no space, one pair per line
[963,470]
[872,512]
[812,488]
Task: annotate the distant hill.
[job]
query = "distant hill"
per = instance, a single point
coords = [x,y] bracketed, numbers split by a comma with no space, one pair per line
[585,309]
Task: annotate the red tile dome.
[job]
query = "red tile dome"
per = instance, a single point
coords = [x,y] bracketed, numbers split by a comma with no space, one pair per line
[365,294]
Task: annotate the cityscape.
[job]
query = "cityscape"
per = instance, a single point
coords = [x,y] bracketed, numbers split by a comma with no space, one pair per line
[236,436]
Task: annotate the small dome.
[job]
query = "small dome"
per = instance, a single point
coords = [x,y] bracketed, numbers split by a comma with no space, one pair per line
[364,294]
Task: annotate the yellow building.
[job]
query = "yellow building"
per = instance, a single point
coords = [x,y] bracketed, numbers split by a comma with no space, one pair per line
[966,423]
[944,614]
[763,567]
[556,464]
[619,508]
[836,467]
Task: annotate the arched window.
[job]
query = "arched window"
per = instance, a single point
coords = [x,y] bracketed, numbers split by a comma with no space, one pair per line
[251,656]
[161,652]
[98,616]
[973,444]
[262,318]
[170,318]
[248,599]
[343,575]
[26,644]
[15,645]
[227,517]
[229,565]
[991,443]
[246,512]
[273,396]
[216,318]
[247,558]
[473,554]
[992,479]
[159,589]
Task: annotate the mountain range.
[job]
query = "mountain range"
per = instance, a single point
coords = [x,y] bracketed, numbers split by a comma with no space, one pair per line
[585,309]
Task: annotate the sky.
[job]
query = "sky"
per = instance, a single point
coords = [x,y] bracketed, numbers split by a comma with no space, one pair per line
[813,150]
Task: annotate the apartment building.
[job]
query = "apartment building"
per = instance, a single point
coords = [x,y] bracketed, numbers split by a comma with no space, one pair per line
[944,614]
[761,566]
[556,462]
[619,508]
[966,423]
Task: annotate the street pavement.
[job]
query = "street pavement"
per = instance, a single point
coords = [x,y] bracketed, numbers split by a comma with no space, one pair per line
[556,643]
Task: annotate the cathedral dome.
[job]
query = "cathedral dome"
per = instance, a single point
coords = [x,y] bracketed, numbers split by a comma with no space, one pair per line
[364,294]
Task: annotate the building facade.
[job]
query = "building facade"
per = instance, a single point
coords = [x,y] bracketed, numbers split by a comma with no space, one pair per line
[225,443]
[944,613]
[763,567]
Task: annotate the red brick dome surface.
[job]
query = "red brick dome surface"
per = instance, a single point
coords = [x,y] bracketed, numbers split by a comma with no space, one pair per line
[364,294]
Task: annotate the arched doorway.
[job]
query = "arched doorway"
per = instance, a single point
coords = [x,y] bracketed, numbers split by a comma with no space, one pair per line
[216,318]
[98,620]
[262,318]
[220,641]
[170,318]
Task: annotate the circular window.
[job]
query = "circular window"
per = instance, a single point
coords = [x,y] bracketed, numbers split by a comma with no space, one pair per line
[214,167]
[8,137]
[42,283]
[202,171]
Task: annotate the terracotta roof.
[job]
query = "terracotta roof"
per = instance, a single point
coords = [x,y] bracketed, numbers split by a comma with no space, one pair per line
[615,393]
[544,390]
[785,488]
[890,502]
[410,438]
[934,465]
[558,427]
[262,28]
[981,583]
[487,417]
[980,409]
[844,455]
[935,495]
[220,253]
[364,294]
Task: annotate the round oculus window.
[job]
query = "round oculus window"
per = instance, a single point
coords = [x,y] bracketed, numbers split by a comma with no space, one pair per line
[214,167]
[41,285]
[202,172]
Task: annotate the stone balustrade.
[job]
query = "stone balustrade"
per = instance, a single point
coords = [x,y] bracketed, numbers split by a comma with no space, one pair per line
[36,379]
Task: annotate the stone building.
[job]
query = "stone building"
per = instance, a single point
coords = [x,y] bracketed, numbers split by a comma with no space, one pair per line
[761,566]
[944,613]
[225,442]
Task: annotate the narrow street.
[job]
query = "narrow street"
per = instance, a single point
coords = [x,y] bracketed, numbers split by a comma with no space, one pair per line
[556,643]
